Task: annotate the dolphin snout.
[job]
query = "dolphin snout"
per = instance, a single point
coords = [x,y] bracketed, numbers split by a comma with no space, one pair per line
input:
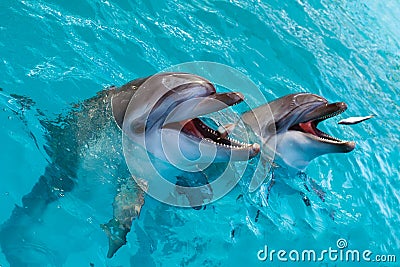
[229,99]
[341,105]
[350,146]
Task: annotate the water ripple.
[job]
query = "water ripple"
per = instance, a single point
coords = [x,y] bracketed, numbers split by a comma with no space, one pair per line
[61,53]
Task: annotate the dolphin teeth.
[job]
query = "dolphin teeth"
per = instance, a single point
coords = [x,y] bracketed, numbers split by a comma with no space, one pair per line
[331,115]
[217,137]
[241,144]
[329,138]
[211,131]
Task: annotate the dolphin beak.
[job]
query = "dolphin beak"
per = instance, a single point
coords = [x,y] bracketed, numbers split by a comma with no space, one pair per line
[198,106]
[229,99]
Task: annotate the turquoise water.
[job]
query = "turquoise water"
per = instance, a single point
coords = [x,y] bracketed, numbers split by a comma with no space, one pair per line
[62,52]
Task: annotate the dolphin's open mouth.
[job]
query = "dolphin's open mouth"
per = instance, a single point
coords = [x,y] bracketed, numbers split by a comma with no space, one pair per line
[199,129]
[320,114]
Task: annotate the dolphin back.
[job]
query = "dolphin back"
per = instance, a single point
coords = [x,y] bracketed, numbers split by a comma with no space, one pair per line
[121,98]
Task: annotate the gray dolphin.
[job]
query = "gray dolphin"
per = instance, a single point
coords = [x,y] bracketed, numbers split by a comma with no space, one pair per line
[97,122]
[287,126]
[172,103]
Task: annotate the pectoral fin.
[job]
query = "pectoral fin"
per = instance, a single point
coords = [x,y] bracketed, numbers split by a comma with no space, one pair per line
[127,205]
[116,234]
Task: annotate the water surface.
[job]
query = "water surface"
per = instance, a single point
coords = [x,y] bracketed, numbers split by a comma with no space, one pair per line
[59,53]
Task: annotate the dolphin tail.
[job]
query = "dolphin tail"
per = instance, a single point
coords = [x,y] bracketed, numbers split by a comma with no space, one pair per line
[127,205]
[50,187]
[16,233]
[59,174]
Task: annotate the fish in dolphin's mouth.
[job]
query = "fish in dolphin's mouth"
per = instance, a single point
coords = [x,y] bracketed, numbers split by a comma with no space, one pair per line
[318,115]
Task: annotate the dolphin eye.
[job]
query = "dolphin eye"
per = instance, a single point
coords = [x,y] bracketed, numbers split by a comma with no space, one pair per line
[271,128]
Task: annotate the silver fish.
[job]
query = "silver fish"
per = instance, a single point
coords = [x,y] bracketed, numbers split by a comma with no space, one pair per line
[355,120]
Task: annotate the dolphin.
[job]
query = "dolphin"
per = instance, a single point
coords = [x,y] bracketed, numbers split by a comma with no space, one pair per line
[169,102]
[173,103]
[287,129]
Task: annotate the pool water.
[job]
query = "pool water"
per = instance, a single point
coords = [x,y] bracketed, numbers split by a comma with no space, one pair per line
[61,52]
